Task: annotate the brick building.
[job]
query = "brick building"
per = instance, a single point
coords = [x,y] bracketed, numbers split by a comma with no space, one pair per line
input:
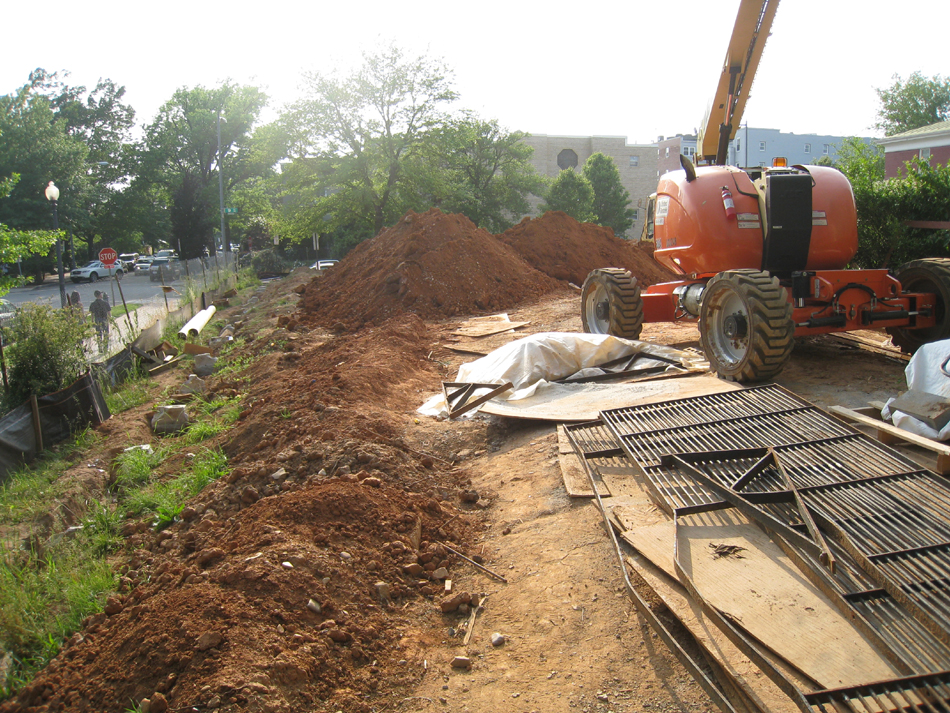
[928,143]
[637,164]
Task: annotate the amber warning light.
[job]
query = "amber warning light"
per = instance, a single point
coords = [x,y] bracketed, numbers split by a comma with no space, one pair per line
[779,162]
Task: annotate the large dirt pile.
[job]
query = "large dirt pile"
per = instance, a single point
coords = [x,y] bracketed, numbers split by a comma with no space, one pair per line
[559,246]
[432,264]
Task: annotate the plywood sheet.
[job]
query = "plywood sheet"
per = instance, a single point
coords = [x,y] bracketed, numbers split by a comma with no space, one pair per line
[484,326]
[655,542]
[715,644]
[764,593]
[583,402]
[576,482]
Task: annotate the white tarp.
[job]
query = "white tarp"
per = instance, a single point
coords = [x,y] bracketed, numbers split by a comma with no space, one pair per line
[532,362]
[923,374]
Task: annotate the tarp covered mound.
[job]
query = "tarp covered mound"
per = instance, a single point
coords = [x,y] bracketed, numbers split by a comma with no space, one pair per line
[432,264]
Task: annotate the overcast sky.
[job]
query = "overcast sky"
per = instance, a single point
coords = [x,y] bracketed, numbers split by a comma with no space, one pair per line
[635,69]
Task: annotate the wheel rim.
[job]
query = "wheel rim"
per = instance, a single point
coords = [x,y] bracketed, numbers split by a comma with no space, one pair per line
[597,310]
[728,334]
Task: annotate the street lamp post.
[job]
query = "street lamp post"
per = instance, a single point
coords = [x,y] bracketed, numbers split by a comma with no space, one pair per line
[221,179]
[52,195]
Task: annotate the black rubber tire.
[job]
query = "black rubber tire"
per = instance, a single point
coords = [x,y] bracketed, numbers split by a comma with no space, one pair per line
[613,292]
[754,307]
[930,275]
[93,277]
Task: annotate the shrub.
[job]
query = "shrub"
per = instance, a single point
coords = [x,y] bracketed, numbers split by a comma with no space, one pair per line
[48,353]
[269,262]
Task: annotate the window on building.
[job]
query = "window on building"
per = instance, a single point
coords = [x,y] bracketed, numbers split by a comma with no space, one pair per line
[807,148]
[761,146]
[667,152]
[925,154]
[634,161]
[636,214]
[738,145]
[567,159]
[689,151]
[826,149]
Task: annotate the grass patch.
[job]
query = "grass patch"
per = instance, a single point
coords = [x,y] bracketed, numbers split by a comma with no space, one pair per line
[120,310]
[129,394]
[202,431]
[134,468]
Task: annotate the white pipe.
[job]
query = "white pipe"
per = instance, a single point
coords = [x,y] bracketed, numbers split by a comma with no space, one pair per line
[194,325]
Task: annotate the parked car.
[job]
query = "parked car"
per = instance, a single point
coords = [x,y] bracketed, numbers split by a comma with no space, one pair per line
[93,270]
[164,268]
[142,265]
[323,264]
[7,313]
[128,261]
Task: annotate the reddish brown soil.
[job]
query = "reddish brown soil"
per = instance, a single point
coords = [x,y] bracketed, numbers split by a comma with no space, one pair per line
[335,485]
[559,246]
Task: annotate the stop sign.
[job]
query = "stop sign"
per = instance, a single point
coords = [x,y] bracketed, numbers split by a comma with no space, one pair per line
[108,256]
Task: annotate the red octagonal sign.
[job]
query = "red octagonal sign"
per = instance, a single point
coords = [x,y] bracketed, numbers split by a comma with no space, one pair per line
[108,256]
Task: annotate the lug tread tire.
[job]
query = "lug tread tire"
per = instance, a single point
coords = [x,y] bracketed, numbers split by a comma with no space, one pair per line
[623,298]
[771,328]
[937,272]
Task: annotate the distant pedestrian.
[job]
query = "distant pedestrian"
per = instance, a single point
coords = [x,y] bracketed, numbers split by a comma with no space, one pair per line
[75,306]
[101,313]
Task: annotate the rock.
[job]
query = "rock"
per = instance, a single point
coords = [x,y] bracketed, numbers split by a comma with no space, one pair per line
[170,419]
[205,364]
[206,557]
[278,474]
[314,606]
[157,703]
[373,482]
[382,592]
[346,556]
[214,702]
[193,385]
[498,639]
[208,640]
[415,569]
[450,605]
[440,573]
[338,635]
[250,495]
[465,453]
[463,662]
[113,606]
[469,496]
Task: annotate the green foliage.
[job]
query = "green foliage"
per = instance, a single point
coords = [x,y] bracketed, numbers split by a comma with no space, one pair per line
[269,262]
[487,172]
[47,354]
[918,102]
[202,431]
[352,140]
[573,194]
[611,199]
[922,192]
[134,468]
[102,528]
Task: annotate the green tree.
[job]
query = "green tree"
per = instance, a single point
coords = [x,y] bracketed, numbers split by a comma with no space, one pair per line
[15,244]
[352,140]
[181,155]
[920,101]
[573,194]
[611,199]
[488,172]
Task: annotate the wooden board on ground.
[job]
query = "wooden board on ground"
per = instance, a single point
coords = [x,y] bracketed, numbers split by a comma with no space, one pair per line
[484,326]
[761,591]
[655,542]
[583,402]
[888,434]
[715,645]
[576,482]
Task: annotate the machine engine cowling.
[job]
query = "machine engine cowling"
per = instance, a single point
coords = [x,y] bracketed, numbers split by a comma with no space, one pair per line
[694,234]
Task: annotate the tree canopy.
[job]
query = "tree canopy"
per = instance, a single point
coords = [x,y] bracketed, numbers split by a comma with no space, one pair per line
[919,101]
[573,194]
[611,199]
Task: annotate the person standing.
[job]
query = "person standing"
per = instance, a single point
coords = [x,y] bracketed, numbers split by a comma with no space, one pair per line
[75,305]
[101,312]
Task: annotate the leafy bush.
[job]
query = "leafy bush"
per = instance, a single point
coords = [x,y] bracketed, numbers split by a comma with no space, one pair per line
[48,353]
[269,262]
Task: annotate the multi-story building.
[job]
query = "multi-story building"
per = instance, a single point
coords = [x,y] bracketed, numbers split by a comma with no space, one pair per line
[637,164]
[669,150]
[757,147]
[928,143]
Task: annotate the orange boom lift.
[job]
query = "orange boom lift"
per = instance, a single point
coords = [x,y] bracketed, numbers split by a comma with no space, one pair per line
[762,251]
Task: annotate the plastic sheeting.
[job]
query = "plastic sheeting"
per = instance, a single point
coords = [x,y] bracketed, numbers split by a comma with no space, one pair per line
[530,363]
[923,374]
[62,414]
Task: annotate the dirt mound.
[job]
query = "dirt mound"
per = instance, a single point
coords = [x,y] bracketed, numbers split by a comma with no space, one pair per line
[432,264]
[559,246]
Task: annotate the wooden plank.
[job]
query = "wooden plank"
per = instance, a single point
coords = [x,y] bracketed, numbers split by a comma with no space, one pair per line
[930,408]
[485,326]
[761,591]
[576,482]
[196,349]
[887,432]
[655,542]
[563,444]
[761,693]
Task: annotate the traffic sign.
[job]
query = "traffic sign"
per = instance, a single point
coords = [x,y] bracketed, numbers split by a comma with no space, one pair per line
[230,211]
[108,256]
